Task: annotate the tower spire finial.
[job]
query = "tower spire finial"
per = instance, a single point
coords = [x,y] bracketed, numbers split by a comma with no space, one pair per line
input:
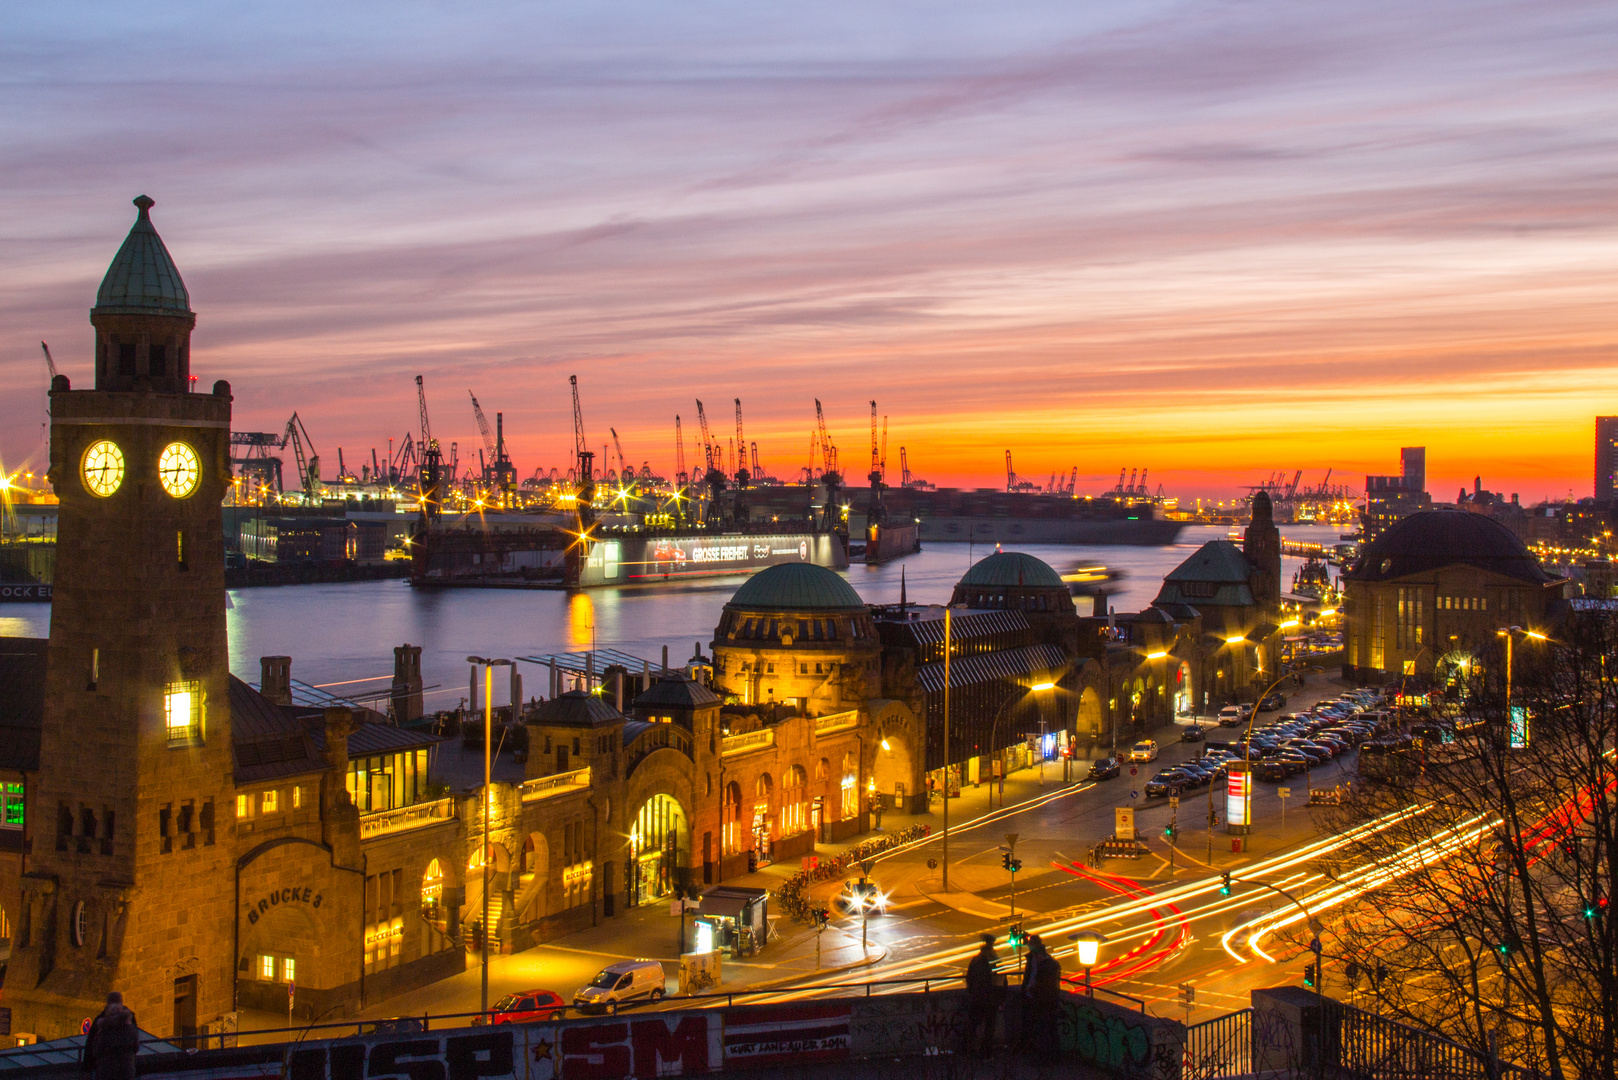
[144,203]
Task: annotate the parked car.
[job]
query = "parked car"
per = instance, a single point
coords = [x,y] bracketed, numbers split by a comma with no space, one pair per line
[1193,733]
[1231,716]
[1166,783]
[1105,769]
[1272,703]
[626,980]
[524,1007]
[1145,750]
[1273,770]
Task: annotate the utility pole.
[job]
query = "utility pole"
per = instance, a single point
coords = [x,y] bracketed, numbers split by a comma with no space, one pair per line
[948,645]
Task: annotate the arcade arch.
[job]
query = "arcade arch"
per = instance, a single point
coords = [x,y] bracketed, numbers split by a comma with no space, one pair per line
[659,847]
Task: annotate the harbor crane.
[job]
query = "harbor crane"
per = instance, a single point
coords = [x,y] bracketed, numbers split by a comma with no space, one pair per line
[430,459]
[585,492]
[743,477]
[488,437]
[908,480]
[831,478]
[303,451]
[1015,485]
[681,477]
[49,363]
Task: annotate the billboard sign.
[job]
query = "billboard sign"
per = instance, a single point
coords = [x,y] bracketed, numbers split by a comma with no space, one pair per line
[1239,798]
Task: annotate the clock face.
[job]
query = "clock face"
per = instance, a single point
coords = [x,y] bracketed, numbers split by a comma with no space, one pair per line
[177,468]
[103,468]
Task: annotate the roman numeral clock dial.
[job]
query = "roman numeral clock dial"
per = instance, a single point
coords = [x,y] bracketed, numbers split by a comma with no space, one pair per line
[103,468]
[177,468]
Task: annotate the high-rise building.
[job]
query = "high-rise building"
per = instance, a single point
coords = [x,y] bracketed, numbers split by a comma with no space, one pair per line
[1390,498]
[1606,457]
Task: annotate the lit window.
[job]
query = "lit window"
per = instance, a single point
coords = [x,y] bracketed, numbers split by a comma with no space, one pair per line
[289,970]
[182,711]
[244,806]
[271,802]
[266,968]
[11,806]
[297,797]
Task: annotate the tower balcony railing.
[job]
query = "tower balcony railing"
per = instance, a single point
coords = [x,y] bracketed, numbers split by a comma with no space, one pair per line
[747,742]
[546,787]
[415,816]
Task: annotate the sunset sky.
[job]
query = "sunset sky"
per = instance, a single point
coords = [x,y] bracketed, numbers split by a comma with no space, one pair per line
[1211,239]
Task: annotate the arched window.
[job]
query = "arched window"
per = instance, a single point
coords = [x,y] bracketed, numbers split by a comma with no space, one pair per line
[730,816]
[851,786]
[794,801]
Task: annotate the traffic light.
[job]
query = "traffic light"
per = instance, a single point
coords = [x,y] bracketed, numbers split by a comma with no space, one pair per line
[1014,938]
[1224,883]
[1005,860]
[1014,865]
[1309,976]
[1168,832]
[1595,908]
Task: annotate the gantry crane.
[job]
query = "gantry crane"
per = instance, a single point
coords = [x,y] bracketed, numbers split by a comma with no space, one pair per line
[585,492]
[743,477]
[681,477]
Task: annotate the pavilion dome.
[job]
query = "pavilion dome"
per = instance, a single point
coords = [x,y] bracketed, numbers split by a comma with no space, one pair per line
[796,587]
[1012,570]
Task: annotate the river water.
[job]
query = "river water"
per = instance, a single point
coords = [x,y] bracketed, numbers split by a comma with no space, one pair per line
[344,634]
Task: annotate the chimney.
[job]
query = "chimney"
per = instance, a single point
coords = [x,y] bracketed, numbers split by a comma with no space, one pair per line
[516,695]
[275,678]
[618,691]
[665,659]
[406,683]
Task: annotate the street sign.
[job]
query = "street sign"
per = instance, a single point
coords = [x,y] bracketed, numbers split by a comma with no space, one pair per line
[1188,994]
[1132,770]
[1123,819]
[1134,794]
[1174,802]
[1285,792]
[1011,839]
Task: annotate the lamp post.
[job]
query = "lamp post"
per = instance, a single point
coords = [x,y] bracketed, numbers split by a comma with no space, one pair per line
[994,731]
[1514,739]
[1089,946]
[486,797]
[948,648]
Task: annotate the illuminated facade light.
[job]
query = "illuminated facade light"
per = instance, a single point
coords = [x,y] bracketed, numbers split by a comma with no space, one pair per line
[1160,654]
[182,711]
[1043,686]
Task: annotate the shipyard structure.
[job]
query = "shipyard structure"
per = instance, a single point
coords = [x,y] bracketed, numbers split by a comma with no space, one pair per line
[205,845]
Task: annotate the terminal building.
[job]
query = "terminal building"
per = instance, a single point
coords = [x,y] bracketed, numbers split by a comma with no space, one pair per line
[1427,598]
[200,844]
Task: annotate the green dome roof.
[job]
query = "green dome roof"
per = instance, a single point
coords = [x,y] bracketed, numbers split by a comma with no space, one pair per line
[797,587]
[1012,570]
[142,279]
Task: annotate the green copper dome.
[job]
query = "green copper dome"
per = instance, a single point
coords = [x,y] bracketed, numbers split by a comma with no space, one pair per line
[1011,570]
[142,279]
[797,587]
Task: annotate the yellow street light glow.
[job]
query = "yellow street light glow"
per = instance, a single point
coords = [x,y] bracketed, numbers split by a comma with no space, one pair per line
[1327,611]
[884,744]
[1043,686]
[1237,640]
[1289,624]
[1156,655]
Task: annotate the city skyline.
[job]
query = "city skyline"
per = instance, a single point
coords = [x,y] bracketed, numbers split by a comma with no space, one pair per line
[1210,244]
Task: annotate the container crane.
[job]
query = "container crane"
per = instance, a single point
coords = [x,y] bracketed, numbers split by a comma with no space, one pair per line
[713,458]
[680,476]
[831,478]
[882,462]
[303,451]
[488,441]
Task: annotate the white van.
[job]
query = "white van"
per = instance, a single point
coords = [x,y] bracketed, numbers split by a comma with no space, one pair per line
[627,980]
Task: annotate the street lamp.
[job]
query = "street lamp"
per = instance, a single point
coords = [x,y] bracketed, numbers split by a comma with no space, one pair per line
[487,797]
[994,730]
[1089,946]
[1516,738]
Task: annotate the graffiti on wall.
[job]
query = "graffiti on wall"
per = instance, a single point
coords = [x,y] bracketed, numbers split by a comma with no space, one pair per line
[1121,1042]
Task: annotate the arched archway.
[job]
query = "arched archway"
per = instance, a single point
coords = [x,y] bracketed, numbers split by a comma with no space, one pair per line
[432,897]
[499,878]
[659,848]
[533,878]
[794,801]
[849,786]
[1090,719]
[730,813]
[763,823]
[1181,688]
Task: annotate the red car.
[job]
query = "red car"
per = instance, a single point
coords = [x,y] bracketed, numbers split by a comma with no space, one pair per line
[525,1007]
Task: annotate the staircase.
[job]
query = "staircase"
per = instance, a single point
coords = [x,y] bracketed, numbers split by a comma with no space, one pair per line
[497,920]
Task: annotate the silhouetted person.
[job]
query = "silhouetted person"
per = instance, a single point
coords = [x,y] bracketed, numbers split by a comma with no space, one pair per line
[982,999]
[1044,1004]
[113,1040]
[1025,994]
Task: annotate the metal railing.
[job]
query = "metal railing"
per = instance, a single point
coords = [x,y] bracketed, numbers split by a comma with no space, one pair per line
[1219,1047]
[837,721]
[746,742]
[544,787]
[1366,1044]
[419,815]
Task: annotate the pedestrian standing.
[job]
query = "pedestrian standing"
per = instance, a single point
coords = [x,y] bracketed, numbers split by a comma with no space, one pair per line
[1046,1001]
[1025,995]
[112,1042]
[982,1000]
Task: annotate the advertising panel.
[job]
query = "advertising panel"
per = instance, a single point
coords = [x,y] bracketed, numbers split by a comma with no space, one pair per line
[658,558]
[1239,798]
[757,1038]
[1123,822]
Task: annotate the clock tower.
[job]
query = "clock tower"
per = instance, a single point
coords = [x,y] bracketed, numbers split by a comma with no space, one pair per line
[127,881]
